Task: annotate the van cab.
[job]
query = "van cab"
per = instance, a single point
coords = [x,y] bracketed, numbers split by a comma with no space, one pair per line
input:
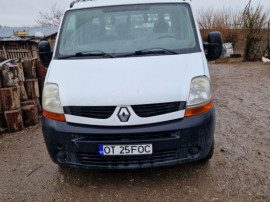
[128,86]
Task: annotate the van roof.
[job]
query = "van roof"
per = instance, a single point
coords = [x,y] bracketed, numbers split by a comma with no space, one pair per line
[98,3]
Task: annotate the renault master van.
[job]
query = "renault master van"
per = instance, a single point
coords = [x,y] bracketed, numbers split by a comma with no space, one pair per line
[128,86]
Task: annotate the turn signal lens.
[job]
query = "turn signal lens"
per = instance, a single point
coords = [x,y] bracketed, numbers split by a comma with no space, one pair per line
[198,110]
[54,116]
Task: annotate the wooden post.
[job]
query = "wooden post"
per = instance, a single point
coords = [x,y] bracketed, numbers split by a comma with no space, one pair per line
[14,120]
[23,93]
[29,50]
[29,68]
[31,86]
[3,123]
[41,73]
[1,83]
[30,115]
[5,51]
[41,70]
[39,107]
[10,98]
[41,86]
[1,104]
[35,52]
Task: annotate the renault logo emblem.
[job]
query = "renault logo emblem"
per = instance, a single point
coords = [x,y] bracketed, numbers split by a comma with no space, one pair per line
[124,114]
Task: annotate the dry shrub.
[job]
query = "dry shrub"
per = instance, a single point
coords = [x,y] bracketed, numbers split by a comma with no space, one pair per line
[226,20]
[254,22]
[243,28]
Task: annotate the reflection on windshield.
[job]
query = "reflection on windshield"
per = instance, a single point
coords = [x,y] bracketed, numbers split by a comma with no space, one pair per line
[126,29]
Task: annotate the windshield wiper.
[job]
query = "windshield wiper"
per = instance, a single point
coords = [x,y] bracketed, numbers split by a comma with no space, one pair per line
[88,53]
[150,51]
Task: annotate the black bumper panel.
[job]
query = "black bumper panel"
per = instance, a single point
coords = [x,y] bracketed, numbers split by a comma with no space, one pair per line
[175,142]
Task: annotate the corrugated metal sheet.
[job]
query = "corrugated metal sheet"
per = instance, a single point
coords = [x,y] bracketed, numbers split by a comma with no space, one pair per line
[6,33]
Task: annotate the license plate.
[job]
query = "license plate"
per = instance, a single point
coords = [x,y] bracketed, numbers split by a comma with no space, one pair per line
[125,150]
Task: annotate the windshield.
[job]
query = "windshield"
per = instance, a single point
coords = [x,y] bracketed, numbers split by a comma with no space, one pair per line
[119,30]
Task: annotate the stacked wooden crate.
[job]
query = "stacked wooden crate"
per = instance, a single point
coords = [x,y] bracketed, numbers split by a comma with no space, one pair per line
[19,94]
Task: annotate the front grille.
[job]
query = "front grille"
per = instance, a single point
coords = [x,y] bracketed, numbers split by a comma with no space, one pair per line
[127,137]
[105,112]
[91,112]
[158,109]
[95,159]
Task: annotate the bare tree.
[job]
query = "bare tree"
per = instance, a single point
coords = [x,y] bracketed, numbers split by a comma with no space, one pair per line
[51,18]
[255,20]
[225,18]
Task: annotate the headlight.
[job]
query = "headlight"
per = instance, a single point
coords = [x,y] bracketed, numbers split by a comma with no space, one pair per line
[200,92]
[51,103]
[200,99]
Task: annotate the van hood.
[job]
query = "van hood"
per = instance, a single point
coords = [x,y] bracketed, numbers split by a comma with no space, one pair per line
[125,81]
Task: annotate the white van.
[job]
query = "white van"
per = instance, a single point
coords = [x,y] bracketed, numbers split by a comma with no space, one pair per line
[128,86]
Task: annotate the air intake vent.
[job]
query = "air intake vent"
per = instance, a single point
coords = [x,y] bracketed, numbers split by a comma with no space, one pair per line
[91,112]
[95,159]
[158,109]
[128,137]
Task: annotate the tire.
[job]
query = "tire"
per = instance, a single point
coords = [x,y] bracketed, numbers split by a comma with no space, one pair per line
[210,154]
[236,56]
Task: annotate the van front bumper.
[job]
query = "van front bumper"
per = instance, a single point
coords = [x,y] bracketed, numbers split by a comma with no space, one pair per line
[174,142]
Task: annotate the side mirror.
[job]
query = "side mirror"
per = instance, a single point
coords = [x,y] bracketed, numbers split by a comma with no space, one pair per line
[45,53]
[214,46]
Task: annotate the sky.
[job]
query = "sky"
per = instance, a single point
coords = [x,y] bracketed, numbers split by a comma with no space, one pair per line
[24,12]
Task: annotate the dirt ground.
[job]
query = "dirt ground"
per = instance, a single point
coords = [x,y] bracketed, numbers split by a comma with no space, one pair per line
[239,170]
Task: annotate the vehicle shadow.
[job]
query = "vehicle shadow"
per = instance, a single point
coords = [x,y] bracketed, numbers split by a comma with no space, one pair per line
[148,177]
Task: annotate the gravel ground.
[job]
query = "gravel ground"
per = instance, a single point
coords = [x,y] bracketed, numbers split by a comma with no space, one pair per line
[239,170]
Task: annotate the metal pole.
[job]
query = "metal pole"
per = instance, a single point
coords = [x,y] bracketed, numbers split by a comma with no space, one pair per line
[268,36]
